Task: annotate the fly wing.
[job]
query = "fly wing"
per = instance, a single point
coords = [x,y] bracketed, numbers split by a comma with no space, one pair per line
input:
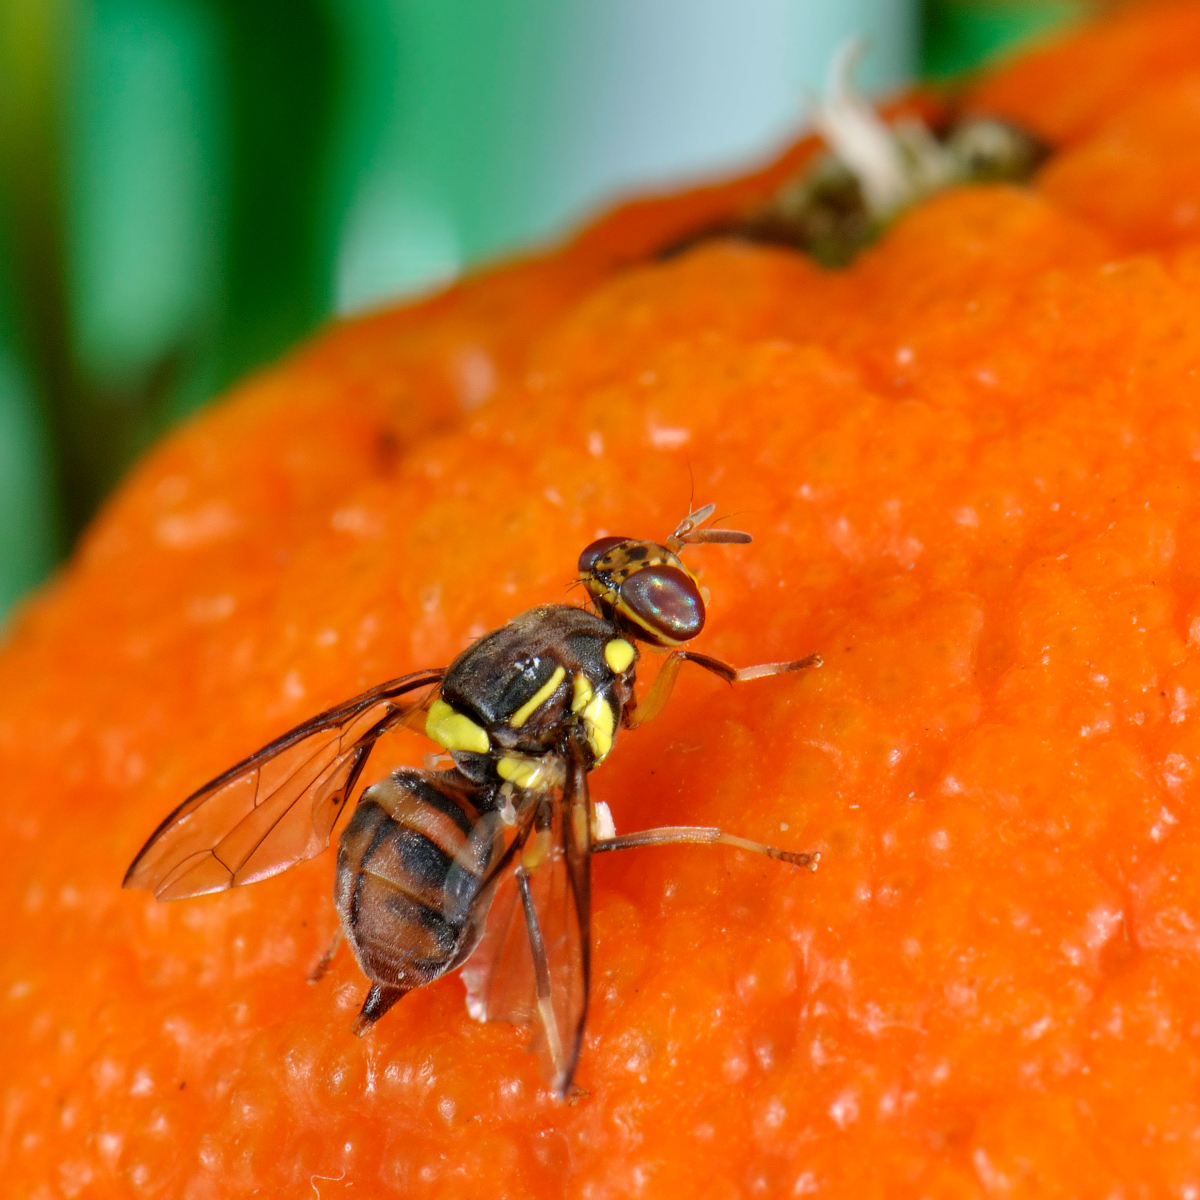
[499,974]
[532,965]
[276,808]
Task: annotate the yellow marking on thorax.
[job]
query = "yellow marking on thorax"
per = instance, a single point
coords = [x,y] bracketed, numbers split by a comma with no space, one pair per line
[583,693]
[452,731]
[619,654]
[532,774]
[597,714]
[537,699]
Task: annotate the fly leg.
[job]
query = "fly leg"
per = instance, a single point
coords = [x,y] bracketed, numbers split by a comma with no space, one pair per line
[541,975]
[326,959]
[700,835]
[660,690]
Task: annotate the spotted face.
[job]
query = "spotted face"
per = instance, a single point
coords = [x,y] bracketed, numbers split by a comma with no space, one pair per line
[644,589]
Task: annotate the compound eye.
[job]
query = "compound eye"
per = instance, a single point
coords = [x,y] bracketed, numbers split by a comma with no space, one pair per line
[596,551]
[664,601]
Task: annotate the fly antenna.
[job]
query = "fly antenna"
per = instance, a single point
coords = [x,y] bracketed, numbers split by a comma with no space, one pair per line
[689,533]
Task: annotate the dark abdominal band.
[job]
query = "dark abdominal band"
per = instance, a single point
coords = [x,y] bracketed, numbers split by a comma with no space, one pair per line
[397,902]
[422,862]
[427,794]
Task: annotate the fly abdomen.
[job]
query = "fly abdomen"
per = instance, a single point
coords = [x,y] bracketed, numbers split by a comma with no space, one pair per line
[414,851]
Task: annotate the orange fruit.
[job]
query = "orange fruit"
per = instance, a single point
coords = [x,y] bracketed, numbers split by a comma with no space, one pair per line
[969,463]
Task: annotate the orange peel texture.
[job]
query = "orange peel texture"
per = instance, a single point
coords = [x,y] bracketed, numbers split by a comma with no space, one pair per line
[969,462]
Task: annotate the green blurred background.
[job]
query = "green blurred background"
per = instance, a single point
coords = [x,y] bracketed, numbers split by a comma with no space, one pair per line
[187,187]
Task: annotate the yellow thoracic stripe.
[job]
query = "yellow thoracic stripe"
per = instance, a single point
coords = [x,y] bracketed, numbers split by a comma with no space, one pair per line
[452,731]
[597,714]
[538,698]
[583,693]
[598,718]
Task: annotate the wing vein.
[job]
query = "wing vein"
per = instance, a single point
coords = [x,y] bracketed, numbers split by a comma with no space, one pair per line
[318,762]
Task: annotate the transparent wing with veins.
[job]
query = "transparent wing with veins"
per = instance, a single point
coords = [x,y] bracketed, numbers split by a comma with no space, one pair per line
[277,807]
[532,965]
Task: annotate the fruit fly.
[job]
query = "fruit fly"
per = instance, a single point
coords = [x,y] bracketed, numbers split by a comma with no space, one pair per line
[486,862]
